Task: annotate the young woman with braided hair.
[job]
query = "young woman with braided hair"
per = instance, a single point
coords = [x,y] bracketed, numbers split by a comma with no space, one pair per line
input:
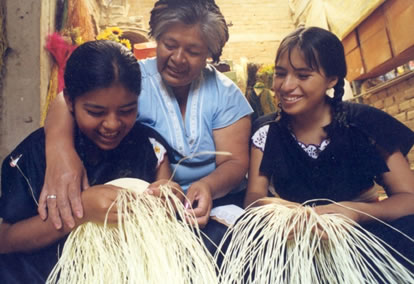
[319,147]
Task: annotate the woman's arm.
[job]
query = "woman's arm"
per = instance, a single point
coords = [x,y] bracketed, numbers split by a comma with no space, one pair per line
[229,172]
[34,233]
[29,235]
[164,169]
[258,183]
[65,175]
[399,184]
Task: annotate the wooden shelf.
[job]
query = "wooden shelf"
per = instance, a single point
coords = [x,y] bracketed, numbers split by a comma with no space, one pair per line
[384,85]
[384,41]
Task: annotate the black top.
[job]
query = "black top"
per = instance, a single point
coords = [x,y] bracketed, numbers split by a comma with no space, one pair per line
[134,157]
[347,166]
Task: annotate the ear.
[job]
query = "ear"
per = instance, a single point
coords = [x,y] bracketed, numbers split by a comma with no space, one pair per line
[332,81]
[68,101]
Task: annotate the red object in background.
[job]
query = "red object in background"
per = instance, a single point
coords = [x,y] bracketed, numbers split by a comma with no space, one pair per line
[145,49]
[61,50]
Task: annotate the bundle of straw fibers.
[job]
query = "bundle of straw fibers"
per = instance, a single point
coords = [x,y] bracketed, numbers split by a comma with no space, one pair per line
[278,244]
[148,245]
[80,16]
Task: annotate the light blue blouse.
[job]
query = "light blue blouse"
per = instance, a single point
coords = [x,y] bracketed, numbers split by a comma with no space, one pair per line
[214,102]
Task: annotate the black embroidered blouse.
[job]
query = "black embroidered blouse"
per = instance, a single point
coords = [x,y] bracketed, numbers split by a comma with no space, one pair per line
[134,157]
[349,164]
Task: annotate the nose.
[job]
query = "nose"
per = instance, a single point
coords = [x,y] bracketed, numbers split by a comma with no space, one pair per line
[179,56]
[289,83]
[111,122]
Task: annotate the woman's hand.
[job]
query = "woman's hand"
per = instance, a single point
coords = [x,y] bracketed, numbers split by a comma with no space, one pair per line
[154,188]
[284,203]
[65,178]
[340,208]
[345,210]
[97,200]
[199,202]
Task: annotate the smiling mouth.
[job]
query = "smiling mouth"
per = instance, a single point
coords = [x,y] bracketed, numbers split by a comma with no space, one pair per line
[109,137]
[291,99]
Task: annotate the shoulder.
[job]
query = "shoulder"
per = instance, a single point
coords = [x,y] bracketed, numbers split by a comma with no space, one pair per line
[259,137]
[385,130]
[265,128]
[148,132]
[25,163]
[264,120]
[136,152]
[33,144]
[144,135]
[152,139]
[148,67]
[357,110]
[222,98]
[214,77]
[366,115]
[35,136]
[140,132]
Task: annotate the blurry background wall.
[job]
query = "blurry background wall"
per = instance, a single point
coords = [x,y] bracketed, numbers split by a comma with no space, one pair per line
[256,29]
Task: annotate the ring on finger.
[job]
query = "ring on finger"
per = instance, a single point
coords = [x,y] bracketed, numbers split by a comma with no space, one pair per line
[51,196]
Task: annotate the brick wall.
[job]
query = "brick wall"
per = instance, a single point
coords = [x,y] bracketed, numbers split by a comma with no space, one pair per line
[398,101]
[256,27]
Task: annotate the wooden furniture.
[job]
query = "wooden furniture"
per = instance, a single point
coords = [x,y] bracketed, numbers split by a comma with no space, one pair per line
[381,42]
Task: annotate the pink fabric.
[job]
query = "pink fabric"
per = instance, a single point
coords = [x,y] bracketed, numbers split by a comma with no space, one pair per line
[61,50]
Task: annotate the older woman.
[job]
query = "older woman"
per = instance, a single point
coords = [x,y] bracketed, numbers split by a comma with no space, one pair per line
[192,105]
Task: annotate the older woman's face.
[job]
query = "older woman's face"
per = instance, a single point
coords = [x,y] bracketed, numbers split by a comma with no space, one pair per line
[181,54]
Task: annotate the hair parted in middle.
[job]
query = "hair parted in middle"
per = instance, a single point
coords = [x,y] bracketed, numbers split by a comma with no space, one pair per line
[205,13]
[100,64]
[321,49]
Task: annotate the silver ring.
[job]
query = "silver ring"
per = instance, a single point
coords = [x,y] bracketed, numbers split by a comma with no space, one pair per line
[52,196]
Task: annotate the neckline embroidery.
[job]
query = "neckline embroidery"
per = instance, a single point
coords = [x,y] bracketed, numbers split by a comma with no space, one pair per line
[312,150]
[179,128]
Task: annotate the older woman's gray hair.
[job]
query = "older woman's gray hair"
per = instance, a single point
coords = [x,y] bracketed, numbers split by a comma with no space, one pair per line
[203,12]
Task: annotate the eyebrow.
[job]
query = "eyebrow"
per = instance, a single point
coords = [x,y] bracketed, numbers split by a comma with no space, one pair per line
[102,107]
[304,69]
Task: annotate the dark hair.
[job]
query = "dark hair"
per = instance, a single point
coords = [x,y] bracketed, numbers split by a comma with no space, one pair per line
[190,12]
[100,64]
[321,49]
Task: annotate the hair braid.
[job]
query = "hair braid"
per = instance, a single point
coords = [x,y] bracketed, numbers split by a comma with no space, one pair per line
[339,117]
[339,90]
